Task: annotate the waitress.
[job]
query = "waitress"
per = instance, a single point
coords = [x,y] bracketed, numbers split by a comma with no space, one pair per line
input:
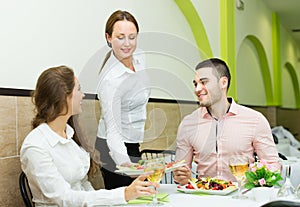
[123,93]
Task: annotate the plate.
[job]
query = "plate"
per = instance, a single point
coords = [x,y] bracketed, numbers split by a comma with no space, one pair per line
[226,191]
[169,169]
[129,171]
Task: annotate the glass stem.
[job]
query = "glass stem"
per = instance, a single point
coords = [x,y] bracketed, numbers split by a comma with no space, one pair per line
[155,198]
[240,187]
[288,171]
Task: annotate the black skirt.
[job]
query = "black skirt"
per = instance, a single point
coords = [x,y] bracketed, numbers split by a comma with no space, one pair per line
[111,179]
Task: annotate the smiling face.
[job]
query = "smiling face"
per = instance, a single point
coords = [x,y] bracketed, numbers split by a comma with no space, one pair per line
[208,87]
[123,39]
[75,99]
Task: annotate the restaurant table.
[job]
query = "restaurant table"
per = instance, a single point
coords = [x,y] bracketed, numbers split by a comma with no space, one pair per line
[179,199]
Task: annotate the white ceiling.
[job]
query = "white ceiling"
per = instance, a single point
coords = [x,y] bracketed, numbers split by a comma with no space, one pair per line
[289,15]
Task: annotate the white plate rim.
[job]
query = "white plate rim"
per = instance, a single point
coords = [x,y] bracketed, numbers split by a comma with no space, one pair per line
[175,166]
[129,171]
[210,192]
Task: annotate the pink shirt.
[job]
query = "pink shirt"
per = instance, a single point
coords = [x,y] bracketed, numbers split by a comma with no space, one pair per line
[211,142]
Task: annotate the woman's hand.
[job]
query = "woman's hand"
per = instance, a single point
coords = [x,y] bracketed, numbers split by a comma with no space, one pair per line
[182,175]
[127,164]
[140,187]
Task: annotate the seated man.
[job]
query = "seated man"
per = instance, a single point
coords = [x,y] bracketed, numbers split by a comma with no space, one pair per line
[220,128]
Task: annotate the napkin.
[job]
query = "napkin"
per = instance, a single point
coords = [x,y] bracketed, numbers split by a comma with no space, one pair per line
[163,197]
[196,193]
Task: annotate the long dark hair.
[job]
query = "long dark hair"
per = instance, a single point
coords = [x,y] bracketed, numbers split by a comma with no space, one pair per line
[50,95]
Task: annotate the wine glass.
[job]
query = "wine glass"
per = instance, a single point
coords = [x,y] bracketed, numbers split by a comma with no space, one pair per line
[287,189]
[239,165]
[156,165]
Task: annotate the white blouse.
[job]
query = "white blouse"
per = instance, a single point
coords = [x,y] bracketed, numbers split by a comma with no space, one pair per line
[123,96]
[57,168]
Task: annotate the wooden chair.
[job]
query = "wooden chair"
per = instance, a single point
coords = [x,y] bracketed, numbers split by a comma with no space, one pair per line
[25,190]
[168,155]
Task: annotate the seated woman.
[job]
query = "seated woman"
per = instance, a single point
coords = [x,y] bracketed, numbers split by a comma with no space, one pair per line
[57,167]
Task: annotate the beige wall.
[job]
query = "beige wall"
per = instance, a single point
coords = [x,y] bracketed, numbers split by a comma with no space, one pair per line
[288,118]
[16,114]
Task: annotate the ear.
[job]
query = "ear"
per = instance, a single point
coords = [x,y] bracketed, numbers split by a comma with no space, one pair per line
[108,38]
[224,82]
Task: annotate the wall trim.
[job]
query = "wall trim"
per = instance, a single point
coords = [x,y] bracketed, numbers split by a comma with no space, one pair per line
[88,96]
[14,92]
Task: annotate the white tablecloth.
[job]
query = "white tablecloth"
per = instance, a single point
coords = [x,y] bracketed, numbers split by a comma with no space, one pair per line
[178,199]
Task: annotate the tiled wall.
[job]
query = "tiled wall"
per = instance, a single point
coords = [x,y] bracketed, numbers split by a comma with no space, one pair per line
[15,124]
[161,128]
[16,114]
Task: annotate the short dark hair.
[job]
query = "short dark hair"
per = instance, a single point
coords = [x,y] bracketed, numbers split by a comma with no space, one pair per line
[220,67]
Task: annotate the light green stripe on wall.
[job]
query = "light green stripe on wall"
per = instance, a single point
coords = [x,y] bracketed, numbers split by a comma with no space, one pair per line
[196,25]
[276,60]
[227,39]
[264,67]
[292,72]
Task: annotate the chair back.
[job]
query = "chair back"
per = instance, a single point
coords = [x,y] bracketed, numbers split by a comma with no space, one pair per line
[25,190]
[168,155]
[280,155]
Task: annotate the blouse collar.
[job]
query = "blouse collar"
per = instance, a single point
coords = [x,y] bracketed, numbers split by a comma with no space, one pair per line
[54,138]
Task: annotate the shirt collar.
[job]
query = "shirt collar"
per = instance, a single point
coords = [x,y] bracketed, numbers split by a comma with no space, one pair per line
[116,69]
[233,107]
[53,138]
[233,110]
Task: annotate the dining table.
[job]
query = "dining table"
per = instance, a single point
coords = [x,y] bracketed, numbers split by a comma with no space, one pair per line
[180,199]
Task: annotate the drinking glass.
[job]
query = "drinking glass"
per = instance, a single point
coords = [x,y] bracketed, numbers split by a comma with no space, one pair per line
[238,165]
[287,189]
[158,167]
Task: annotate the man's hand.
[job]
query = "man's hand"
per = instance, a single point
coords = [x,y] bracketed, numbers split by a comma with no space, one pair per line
[182,175]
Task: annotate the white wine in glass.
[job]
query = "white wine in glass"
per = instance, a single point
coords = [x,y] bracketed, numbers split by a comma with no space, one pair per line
[239,165]
[157,166]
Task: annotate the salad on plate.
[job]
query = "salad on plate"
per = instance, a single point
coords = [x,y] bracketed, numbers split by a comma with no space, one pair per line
[209,186]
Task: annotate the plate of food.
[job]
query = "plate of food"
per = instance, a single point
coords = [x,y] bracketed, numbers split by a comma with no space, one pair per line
[138,168]
[209,185]
[135,169]
[173,165]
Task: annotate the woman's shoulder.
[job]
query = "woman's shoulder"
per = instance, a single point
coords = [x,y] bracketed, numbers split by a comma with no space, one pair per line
[35,136]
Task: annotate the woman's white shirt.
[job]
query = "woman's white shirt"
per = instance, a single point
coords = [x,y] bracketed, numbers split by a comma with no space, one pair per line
[123,96]
[57,168]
